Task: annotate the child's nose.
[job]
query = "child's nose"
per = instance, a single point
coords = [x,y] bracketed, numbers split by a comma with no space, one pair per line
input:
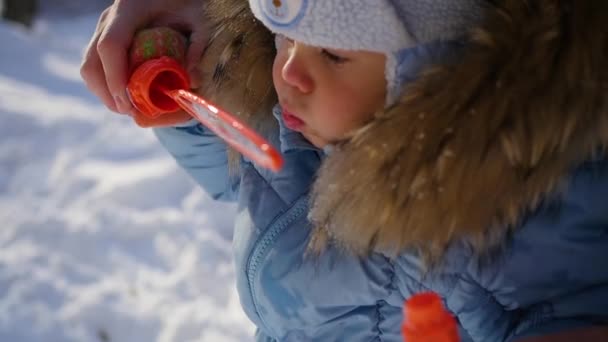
[295,74]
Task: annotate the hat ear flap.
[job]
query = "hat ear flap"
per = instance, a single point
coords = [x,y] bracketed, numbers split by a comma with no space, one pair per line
[404,66]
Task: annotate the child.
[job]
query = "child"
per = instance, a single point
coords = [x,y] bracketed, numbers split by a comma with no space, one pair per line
[455,146]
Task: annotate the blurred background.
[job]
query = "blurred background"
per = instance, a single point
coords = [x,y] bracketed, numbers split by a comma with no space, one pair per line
[102,237]
[25,11]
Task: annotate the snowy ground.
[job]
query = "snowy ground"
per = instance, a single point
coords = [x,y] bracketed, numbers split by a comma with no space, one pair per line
[103,238]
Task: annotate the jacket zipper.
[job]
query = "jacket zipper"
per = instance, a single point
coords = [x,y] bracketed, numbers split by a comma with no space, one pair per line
[262,247]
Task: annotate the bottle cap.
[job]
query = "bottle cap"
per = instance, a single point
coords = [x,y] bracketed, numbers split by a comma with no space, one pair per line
[155,59]
[150,82]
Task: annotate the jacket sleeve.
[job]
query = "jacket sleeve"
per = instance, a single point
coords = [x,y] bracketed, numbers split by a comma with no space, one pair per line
[261,337]
[548,276]
[203,155]
[568,241]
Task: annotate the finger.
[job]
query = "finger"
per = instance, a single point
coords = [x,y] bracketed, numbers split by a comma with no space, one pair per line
[91,70]
[93,76]
[113,46]
[112,49]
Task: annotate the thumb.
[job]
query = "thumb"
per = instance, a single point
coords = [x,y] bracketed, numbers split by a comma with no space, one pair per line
[198,43]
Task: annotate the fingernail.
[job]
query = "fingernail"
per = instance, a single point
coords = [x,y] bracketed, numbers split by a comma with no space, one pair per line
[123,105]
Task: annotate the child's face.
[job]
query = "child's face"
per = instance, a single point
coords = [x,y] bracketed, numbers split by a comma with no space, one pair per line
[327,93]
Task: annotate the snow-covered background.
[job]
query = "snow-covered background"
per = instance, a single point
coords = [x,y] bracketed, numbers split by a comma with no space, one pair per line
[102,237]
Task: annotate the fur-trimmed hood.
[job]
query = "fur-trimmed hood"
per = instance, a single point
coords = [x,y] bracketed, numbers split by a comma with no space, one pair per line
[468,150]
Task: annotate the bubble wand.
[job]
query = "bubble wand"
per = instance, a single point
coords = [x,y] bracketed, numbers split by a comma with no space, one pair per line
[159,85]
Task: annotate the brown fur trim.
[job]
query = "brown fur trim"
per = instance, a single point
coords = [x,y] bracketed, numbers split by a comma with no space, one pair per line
[472,147]
[237,65]
[469,149]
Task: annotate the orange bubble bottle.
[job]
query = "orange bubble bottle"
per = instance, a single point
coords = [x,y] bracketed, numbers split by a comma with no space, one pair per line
[159,87]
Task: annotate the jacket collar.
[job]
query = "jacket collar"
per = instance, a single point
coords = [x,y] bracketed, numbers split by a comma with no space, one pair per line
[290,140]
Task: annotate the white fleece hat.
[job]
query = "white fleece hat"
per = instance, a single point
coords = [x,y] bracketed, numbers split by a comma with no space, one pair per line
[392,27]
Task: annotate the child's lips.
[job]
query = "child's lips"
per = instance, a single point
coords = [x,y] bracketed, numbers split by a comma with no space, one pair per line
[291,121]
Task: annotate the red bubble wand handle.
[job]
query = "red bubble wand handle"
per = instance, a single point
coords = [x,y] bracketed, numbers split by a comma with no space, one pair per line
[159,85]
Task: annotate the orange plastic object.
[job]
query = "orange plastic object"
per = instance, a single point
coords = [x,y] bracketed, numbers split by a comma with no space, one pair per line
[426,320]
[149,82]
[158,89]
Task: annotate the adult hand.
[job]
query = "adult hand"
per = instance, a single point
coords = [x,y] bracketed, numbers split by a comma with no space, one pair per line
[104,67]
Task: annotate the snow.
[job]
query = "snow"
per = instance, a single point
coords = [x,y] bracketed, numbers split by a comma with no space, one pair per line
[103,237]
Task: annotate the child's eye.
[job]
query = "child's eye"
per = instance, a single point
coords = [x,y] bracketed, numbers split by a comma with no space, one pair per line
[333,57]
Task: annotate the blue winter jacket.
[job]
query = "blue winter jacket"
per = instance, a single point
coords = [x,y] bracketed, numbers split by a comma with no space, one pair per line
[552,276]
[515,132]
